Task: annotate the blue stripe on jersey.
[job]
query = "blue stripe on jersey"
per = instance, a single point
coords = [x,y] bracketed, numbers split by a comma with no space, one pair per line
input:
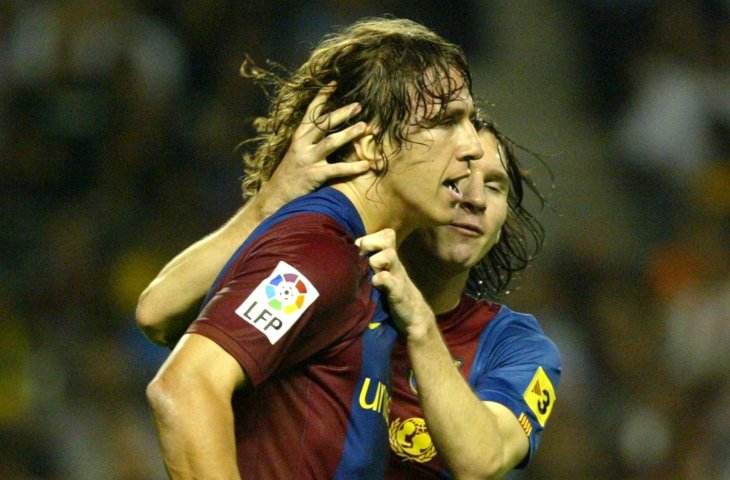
[327,201]
[365,454]
[366,446]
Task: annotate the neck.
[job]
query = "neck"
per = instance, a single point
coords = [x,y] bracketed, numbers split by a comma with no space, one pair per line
[377,211]
[440,284]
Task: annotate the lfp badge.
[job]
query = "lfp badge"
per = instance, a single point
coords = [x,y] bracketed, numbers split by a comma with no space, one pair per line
[278,302]
[286,292]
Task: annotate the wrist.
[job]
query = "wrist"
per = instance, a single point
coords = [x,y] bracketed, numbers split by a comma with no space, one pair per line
[271,197]
[261,204]
[422,331]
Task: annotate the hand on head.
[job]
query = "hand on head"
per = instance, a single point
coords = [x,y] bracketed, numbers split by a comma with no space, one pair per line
[304,167]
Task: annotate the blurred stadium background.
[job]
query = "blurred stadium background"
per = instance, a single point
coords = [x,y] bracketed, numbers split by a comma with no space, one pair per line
[118,127]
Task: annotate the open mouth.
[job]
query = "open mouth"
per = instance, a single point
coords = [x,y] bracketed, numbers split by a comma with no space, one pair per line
[453,187]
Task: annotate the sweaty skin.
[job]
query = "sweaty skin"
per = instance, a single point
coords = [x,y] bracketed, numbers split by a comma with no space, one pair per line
[477,439]
[192,391]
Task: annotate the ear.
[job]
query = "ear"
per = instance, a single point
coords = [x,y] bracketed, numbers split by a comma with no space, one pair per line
[367,149]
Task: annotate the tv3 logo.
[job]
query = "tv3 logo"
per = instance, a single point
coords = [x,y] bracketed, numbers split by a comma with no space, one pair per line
[540,396]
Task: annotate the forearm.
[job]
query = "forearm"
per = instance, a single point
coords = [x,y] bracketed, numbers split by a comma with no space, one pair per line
[464,431]
[196,436]
[190,398]
[303,169]
[187,277]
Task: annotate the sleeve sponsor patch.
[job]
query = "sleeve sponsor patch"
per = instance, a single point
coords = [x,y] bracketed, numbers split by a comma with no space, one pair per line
[540,396]
[278,302]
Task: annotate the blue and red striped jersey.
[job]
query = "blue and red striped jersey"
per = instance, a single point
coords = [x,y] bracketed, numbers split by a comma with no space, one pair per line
[503,355]
[295,307]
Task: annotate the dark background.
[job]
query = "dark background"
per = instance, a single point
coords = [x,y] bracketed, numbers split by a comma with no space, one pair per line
[119,122]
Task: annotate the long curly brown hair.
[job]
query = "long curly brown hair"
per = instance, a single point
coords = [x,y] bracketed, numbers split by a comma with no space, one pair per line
[395,68]
[522,235]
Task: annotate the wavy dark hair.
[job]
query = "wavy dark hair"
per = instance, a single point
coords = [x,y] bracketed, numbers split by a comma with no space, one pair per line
[522,235]
[395,68]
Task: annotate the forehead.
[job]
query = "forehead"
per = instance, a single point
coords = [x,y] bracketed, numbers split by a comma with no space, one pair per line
[493,160]
[450,93]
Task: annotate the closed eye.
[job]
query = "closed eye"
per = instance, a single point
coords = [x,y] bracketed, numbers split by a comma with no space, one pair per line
[448,120]
[497,188]
[497,182]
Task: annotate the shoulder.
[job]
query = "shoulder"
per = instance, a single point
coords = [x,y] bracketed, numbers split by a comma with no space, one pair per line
[312,246]
[508,318]
[326,207]
[306,237]
[517,336]
[512,323]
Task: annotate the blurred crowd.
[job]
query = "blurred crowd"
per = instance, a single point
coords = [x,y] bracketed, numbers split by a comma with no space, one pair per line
[119,130]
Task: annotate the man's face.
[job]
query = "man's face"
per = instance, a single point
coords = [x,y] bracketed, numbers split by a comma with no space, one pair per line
[422,178]
[480,215]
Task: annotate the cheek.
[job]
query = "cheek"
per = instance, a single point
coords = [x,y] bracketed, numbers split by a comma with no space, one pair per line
[499,217]
[494,224]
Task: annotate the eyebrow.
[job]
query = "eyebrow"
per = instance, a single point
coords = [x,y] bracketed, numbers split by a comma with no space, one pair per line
[453,109]
[459,110]
[498,175]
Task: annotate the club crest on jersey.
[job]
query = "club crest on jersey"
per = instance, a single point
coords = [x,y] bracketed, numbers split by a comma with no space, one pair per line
[278,302]
[410,440]
[412,376]
[540,396]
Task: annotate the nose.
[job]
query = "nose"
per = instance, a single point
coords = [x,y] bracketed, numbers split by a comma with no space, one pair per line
[473,198]
[471,145]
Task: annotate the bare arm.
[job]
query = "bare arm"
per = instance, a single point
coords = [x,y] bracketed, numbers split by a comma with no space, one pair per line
[480,440]
[187,277]
[190,399]
[476,439]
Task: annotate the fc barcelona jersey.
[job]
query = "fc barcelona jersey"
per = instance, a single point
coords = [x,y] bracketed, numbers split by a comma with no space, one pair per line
[295,307]
[504,356]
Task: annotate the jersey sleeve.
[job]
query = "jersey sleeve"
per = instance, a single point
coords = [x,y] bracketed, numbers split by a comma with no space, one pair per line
[518,366]
[292,292]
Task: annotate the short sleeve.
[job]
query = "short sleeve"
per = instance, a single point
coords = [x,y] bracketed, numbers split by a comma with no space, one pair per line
[292,292]
[519,367]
